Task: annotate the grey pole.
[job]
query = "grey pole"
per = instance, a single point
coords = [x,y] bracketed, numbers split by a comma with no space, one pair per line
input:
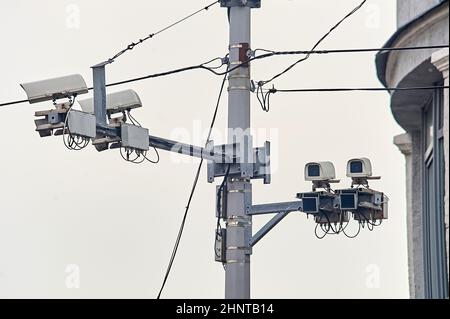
[238,251]
[100,92]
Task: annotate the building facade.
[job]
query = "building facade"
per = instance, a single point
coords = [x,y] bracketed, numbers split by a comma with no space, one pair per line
[424,115]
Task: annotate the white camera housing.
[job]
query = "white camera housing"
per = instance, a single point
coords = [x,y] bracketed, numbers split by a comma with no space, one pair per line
[320,171]
[56,88]
[359,168]
[115,102]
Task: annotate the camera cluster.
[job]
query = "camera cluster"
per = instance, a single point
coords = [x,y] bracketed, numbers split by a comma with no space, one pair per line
[79,128]
[333,209]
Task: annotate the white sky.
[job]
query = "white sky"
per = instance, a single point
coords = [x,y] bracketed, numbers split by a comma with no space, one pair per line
[118,221]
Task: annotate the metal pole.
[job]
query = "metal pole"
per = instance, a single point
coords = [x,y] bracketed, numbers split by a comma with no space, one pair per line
[239,229]
[100,93]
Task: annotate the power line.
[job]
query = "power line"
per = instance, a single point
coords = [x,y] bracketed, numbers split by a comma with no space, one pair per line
[13,103]
[264,96]
[356,50]
[204,66]
[262,83]
[271,53]
[152,35]
[194,187]
[419,88]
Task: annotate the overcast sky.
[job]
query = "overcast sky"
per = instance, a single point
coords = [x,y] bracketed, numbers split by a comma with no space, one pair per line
[66,213]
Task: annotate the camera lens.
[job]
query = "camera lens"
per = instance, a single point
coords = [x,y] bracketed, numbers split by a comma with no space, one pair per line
[356,167]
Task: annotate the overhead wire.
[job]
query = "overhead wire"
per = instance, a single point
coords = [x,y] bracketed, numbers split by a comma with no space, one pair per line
[13,103]
[308,54]
[418,88]
[271,53]
[202,66]
[265,98]
[263,95]
[132,45]
[192,192]
[223,61]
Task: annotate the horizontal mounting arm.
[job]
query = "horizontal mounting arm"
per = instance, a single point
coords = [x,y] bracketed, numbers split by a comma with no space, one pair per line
[280,209]
[187,149]
[295,206]
[171,146]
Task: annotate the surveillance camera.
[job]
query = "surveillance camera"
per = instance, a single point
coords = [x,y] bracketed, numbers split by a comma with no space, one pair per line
[324,206]
[360,171]
[315,202]
[115,102]
[359,167]
[56,88]
[320,171]
[363,203]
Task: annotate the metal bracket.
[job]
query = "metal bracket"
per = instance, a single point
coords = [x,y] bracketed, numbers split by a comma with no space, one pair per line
[255,166]
[242,54]
[240,3]
[245,224]
[273,208]
[267,228]
[99,76]
[49,120]
[280,209]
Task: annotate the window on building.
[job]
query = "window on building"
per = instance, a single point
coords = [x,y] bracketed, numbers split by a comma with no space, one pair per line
[435,262]
[429,128]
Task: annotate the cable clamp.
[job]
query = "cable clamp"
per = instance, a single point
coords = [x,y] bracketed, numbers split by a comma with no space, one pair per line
[236,261]
[273,90]
[237,248]
[238,88]
[238,76]
[235,46]
[225,60]
[238,224]
[231,191]
[238,221]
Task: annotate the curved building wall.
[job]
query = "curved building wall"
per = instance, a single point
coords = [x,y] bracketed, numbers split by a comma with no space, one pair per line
[414,68]
[422,23]
[407,10]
